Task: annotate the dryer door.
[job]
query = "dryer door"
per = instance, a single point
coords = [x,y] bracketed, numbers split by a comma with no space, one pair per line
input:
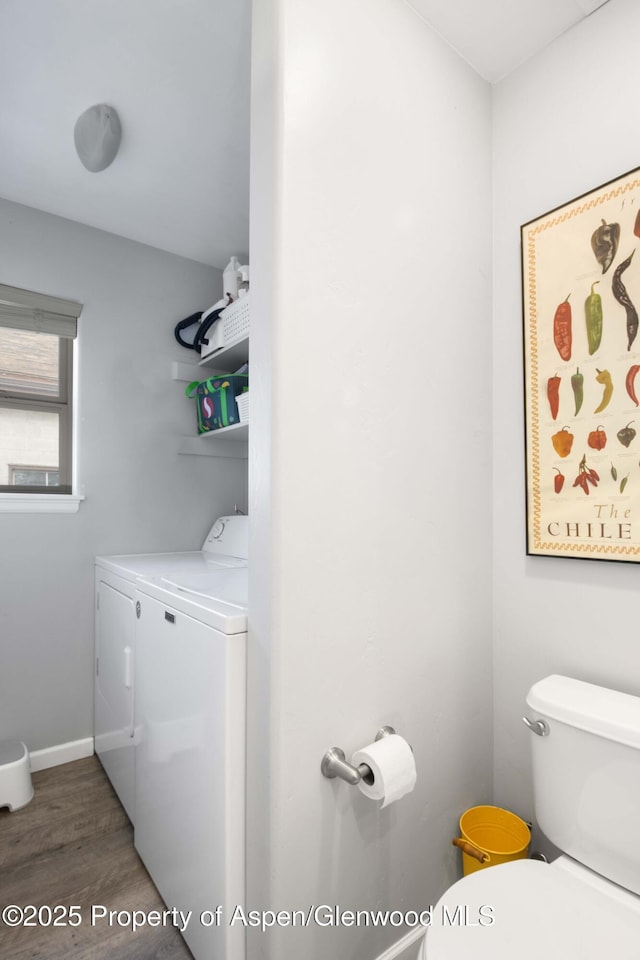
[115,632]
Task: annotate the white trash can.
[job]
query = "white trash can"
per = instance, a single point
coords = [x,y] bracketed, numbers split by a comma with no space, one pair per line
[16,789]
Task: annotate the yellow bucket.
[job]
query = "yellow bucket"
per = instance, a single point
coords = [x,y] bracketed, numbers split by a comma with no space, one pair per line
[491,835]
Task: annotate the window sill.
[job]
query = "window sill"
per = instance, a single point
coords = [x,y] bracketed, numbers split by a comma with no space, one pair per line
[39,503]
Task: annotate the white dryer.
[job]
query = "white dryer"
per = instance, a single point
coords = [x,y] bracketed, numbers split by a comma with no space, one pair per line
[190,749]
[226,546]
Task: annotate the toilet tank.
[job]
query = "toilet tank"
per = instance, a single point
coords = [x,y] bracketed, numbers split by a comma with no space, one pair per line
[586,775]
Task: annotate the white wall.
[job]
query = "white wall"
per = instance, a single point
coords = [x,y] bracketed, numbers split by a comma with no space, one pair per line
[371,215]
[563,124]
[140,494]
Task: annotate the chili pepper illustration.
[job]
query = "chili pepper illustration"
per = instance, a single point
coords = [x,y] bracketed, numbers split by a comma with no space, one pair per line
[636,227]
[626,435]
[581,481]
[604,243]
[604,377]
[586,476]
[577,381]
[593,317]
[630,379]
[597,439]
[562,442]
[614,472]
[619,291]
[562,328]
[553,394]
[558,480]
[623,483]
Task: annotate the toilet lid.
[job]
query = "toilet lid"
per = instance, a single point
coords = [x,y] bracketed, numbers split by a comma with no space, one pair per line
[534,911]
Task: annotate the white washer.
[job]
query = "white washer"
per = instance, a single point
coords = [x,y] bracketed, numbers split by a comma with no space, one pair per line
[190,750]
[226,545]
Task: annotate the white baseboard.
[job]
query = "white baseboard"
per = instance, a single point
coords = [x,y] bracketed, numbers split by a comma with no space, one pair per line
[61,753]
[406,948]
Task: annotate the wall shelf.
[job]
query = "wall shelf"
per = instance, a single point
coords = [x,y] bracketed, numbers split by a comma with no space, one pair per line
[228,441]
[229,358]
[225,442]
[225,360]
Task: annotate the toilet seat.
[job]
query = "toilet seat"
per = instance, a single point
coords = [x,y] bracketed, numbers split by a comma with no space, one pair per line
[534,911]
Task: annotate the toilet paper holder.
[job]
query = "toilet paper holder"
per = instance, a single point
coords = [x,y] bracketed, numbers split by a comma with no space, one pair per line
[334,763]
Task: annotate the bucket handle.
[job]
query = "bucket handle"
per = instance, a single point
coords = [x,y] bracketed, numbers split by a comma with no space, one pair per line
[472,851]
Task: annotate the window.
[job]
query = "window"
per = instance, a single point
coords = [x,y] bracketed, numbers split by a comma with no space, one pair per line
[36,363]
[33,476]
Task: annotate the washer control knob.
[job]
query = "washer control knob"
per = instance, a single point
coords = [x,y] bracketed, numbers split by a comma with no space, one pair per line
[217,530]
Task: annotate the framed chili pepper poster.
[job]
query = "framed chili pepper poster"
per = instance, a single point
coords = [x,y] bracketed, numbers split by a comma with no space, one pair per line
[581,298]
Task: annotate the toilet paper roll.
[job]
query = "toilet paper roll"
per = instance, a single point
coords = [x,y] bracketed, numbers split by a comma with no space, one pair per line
[393,766]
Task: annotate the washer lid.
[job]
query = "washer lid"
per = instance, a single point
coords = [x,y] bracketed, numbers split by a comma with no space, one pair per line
[132,566]
[534,911]
[218,598]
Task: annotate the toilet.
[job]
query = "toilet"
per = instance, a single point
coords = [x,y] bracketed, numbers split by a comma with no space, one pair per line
[585,742]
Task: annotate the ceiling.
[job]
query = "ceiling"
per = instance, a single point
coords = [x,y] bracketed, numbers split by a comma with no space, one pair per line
[177,72]
[496,36]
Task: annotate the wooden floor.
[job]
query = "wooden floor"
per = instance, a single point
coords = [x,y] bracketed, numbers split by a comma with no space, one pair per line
[73,845]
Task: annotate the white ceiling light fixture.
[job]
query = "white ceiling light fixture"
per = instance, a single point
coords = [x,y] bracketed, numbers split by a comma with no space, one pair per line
[97,135]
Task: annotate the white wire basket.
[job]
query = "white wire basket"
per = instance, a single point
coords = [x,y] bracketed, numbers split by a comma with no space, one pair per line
[231,326]
[234,320]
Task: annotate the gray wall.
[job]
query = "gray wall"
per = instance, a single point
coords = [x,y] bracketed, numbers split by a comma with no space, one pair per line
[560,129]
[141,495]
[370,467]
